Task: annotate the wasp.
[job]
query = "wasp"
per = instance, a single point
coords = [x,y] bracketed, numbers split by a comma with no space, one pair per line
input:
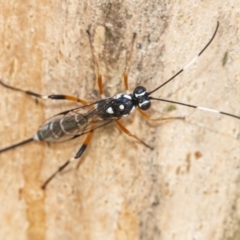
[85,119]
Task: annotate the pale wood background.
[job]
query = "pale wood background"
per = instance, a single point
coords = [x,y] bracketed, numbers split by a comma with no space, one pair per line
[187,187]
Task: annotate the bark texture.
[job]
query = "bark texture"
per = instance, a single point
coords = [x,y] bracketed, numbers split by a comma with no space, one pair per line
[187,187]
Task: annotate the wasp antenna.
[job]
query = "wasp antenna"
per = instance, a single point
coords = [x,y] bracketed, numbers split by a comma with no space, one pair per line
[189,64]
[16,145]
[197,107]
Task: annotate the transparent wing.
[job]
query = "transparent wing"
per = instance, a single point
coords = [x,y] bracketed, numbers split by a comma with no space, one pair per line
[76,122]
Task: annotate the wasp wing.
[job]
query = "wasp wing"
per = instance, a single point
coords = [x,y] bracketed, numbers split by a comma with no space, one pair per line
[76,122]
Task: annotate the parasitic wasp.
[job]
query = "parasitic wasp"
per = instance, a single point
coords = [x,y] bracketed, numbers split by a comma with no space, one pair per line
[85,119]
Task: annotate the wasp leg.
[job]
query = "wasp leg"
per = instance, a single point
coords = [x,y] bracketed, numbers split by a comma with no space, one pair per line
[52,96]
[132,135]
[78,155]
[128,62]
[145,115]
[95,61]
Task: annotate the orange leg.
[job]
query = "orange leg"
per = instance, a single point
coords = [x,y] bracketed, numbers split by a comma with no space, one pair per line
[128,63]
[78,155]
[95,61]
[52,96]
[145,115]
[132,135]
[125,78]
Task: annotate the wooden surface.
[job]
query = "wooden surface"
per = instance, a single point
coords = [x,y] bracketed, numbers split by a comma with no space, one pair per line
[187,187]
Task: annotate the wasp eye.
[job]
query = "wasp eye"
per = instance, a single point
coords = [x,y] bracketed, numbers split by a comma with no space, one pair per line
[139,92]
[145,105]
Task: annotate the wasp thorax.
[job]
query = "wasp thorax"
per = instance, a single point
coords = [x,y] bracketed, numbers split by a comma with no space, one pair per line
[141,98]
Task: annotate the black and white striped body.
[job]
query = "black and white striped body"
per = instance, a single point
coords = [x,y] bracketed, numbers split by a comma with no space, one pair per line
[59,127]
[70,124]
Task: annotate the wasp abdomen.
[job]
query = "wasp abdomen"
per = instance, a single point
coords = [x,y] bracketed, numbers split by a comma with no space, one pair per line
[58,129]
